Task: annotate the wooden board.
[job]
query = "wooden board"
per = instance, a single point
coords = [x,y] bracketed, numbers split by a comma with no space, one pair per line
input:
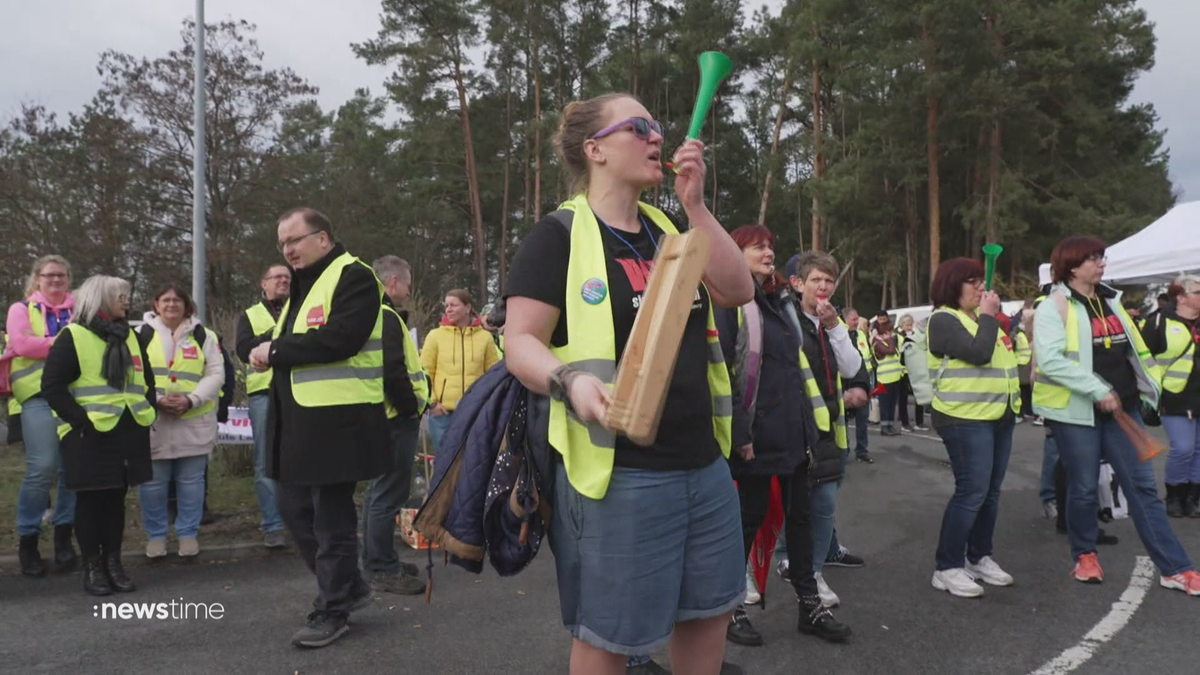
[653,346]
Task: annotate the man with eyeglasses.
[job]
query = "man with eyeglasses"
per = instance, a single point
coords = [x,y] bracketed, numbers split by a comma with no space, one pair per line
[326,424]
[254,327]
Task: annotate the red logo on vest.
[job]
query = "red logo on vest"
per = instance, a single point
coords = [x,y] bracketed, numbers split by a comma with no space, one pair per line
[137,363]
[190,352]
[316,316]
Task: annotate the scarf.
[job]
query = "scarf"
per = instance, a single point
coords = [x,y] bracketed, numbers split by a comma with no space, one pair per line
[117,359]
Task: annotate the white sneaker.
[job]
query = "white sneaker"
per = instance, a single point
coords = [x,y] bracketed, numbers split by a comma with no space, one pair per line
[1039,421]
[753,597]
[987,571]
[958,582]
[828,597]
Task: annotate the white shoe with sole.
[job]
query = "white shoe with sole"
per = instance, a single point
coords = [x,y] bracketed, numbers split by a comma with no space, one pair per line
[987,571]
[957,582]
[753,597]
[828,597]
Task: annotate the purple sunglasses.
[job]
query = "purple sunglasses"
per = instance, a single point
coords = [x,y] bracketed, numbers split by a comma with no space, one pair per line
[641,127]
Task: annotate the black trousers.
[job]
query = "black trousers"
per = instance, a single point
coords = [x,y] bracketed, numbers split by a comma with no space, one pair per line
[902,402]
[754,493]
[324,524]
[100,521]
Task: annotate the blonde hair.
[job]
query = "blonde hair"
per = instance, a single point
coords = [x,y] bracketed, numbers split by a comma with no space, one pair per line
[98,294]
[905,318]
[581,119]
[31,286]
[1182,284]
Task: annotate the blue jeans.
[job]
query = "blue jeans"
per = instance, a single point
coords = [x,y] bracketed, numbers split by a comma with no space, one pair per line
[824,507]
[42,460]
[264,487]
[188,474]
[1048,493]
[437,425]
[384,498]
[979,453]
[1081,448]
[888,402]
[1183,462]
[861,417]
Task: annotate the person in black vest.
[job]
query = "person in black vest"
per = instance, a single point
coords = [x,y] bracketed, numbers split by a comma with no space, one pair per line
[325,431]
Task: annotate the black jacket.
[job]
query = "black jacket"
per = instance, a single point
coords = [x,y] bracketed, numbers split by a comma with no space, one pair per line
[246,340]
[396,384]
[330,444]
[1186,402]
[783,427]
[92,460]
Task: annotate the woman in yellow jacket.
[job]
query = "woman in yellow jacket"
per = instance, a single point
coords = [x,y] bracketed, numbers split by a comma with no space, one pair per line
[455,354]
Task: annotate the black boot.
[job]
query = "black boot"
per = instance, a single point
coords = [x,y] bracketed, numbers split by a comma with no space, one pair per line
[117,579]
[95,581]
[740,632]
[1174,500]
[1192,500]
[32,564]
[64,550]
[818,621]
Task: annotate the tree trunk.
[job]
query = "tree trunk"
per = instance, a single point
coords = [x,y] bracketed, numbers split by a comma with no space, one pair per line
[637,45]
[537,118]
[472,183]
[911,256]
[783,98]
[507,184]
[818,216]
[932,153]
[883,294]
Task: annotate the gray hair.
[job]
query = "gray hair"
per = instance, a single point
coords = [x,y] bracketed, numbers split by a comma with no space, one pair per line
[31,285]
[97,294]
[1186,281]
[392,266]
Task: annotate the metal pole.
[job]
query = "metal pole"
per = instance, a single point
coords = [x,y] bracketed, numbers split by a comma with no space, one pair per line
[199,264]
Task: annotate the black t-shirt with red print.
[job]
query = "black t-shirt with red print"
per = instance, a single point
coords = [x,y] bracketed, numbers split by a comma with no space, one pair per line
[1111,347]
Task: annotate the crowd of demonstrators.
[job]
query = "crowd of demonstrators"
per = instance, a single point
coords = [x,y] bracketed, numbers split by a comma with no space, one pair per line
[189,370]
[1091,363]
[860,336]
[455,354]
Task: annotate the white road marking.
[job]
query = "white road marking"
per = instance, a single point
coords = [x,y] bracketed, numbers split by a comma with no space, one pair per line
[1112,623]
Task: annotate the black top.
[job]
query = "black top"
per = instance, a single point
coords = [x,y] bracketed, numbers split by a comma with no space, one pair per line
[246,340]
[396,385]
[62,368]
[1186,402]
[539,271]
[1111,348]
[947,336]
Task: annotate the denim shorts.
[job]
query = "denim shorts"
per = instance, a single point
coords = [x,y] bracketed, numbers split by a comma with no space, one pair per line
[661,547]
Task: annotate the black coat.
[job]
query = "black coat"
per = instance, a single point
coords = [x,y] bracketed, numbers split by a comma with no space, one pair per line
[92,460]
[331,444]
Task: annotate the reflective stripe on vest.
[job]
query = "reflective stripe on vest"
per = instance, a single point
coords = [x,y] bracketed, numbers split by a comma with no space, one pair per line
[1176,362]
[587,449]
[1024,350]
[890,370]
[971,392]
[820,410]
[864,348]
[412,364]
[186,366]
[358,379]
[261,322]
[105,405]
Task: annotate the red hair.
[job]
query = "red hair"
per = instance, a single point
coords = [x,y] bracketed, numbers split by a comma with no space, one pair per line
[1070,254]
[946,287]
[753,235]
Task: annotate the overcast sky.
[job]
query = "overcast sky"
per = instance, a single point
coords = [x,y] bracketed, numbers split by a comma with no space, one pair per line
[49,49]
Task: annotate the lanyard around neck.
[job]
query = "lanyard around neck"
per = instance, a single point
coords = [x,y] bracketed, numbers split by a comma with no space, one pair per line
[645,226]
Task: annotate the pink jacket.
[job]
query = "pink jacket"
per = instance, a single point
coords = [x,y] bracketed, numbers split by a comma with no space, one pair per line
[21,341]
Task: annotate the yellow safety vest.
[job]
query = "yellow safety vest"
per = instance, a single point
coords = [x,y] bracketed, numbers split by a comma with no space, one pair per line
[26,375]
[105,405]
[967,391]
[186,366]
[412,363]
[358,379]
[864,348]
[820,410]
[890,370]
[588,449]
[261,321]
[1050,394]
[1024,351]
[1174,365]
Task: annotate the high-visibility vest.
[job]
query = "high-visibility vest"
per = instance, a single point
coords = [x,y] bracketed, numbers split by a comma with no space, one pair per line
[104,404]
[1024,350]
[971,392]
[820,409]
[358,379]
[890,370]
[412,363]
[261,321]
[1050,394]
[1175,364]
[26,375]
[14,409]
[186,366]
[864,348]
[588,449]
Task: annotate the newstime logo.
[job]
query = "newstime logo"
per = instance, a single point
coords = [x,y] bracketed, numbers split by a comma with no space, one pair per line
[175,610]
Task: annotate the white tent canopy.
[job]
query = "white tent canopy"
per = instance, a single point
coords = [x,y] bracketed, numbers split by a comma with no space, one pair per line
[1167,247]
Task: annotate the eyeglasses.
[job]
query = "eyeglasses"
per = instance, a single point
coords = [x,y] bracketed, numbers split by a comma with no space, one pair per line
[974,281]
[277,277]
[641,127]
[54,275]
[294,240]
[1099,258]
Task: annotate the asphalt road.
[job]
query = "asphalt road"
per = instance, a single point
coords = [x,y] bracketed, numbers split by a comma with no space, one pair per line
[889,513]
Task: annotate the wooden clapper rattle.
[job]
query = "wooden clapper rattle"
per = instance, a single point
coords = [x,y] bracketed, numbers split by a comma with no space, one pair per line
[653,346]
